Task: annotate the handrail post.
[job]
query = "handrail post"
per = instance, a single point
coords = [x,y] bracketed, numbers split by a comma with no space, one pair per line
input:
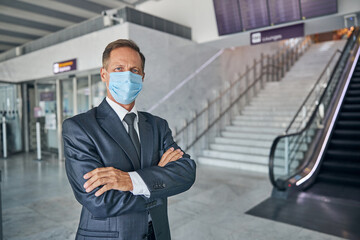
[267,68]
[286,156]
[185,135]
[254,77]
[304,113]
[4,140]
[262,71]
[230,110]
[219,113]
[282,65]
[273,68]
[207,120]
[247,97]
[195,130]
[287,64]
[278,68]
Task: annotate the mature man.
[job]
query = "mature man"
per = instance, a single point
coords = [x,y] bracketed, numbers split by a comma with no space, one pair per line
[123,164]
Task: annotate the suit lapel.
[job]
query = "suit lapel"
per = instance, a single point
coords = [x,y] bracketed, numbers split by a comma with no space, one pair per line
[111,123]
[146,139]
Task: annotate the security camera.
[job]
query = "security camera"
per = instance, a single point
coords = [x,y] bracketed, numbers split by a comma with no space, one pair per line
[110,16]
[110,12]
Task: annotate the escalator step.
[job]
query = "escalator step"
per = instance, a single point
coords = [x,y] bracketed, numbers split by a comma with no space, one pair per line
[354,86]
[351,107]
[355,80]
[341,167]
[341,154]
[344,144]
[346,135]
[350,125]
[339,178]
[353,93]
[349,116]
[352,100]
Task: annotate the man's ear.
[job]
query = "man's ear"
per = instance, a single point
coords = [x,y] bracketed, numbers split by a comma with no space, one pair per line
[143,76]
[103,75]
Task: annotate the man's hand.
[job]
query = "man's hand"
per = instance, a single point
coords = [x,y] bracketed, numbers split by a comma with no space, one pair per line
[109,178]
[169,156]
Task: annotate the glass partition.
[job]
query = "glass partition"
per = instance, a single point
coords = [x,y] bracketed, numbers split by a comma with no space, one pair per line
[98,89]
[10,111]
[83,93]
[67,92]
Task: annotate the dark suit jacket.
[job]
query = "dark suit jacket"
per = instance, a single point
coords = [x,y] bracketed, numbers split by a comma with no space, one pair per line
[96,139]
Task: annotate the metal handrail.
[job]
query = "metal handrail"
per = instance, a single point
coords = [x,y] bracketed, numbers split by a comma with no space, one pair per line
[273,70]
[280,184]
[226,110]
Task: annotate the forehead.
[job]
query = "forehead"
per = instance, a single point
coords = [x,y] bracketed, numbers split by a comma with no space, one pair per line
[125,56]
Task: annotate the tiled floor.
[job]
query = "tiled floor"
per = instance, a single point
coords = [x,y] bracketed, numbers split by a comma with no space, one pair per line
[38,205]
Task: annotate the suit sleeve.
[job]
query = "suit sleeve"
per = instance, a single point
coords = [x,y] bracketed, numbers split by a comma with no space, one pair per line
[175,177]
[82,157]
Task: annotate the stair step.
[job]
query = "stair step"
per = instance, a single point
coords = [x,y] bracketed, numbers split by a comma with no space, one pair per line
[233,164]
[264,129]
[271,108]
[263,118]
[244,142]
[278,124]
[241,149]
[274,113]
[249,158]
[254,136]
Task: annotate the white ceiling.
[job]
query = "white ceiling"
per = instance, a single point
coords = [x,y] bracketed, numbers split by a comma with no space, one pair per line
[26,20]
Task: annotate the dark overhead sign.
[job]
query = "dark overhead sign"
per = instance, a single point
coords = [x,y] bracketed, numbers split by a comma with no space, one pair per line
[65,66]
[277,34]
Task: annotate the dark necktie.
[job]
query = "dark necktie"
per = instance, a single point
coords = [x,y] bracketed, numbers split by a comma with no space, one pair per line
[129,119]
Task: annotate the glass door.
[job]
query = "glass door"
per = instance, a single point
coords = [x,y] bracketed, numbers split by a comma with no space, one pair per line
[10,115]
[43,110]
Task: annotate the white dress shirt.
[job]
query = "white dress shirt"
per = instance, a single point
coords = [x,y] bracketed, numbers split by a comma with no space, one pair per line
[139,186]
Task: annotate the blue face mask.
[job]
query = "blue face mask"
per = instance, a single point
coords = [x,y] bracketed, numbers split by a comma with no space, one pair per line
[125,86]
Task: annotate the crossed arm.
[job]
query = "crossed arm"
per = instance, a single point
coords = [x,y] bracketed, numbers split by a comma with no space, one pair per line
[112,178]
[86,173]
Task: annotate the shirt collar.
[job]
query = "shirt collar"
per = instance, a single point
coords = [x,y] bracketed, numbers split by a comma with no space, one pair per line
[120,111]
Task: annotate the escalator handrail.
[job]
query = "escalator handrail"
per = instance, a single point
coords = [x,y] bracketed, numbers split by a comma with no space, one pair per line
[313,89]
[309,122]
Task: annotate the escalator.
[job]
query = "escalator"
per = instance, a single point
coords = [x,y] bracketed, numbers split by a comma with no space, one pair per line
[321,192]
[339,174]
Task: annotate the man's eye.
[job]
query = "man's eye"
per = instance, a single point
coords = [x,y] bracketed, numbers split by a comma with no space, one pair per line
[135,70]
[118,69]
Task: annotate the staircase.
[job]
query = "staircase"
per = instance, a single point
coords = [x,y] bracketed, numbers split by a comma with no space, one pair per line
[245,143]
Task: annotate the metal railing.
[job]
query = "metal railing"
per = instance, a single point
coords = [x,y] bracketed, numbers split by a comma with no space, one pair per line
[206,124]
[288,151]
